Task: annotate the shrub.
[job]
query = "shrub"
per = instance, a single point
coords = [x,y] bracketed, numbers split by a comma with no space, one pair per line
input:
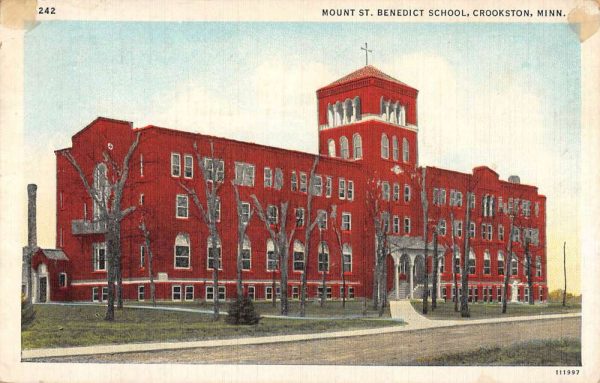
[242,312]
[27,312]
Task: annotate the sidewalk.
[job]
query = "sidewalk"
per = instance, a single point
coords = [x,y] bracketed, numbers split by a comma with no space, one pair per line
[416,322]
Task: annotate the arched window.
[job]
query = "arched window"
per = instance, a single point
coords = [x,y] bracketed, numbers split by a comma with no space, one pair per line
[344,152]
[405,150]
[385,146]
[538,266]
[500,263]
[337,110]
[395,149]
[402,117]
[298,256]
[357,143]
[272,261]
[472,263]
[246,254]
[214,254]
[331,147]
[347,257]
[323,256]
[181,251]
[514,266]
[487,263]
[383,109]
[442,264]
[348,111]
[330,116]
[357,111]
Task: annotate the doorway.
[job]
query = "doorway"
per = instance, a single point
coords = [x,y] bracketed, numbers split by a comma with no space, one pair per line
[43,289]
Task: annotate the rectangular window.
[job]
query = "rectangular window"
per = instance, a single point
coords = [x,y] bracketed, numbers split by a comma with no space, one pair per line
[142,256]
[182,256]
[385,191]
[303,183]
[268,178]
[327,292]
[499,294]
[471,229]
[323,260]
[175,164]
[104,294]
[298,260]
[458,228]
[212,253]
[442,197]
[501,232]
[278,183]
[188,166]
[406,225]
[272,214]
[214,169]
[406,193]
[181,206]
[189,293]
[346,221]
[294,181]
[218,209]
[268,292]
[396,192]
[141,165]
[141,202]
[99,256]
[500,205]
[62,280]
[442,227]
[385,220]
[490,232]
[471,197]
[95,296]
[299,217]
[351,292]
[396,224]
[483,231]
[141,293]
[322,214]
[318,185]
[245,212]
[328,186]
[251,293]
[246,259]
[342,188]
[350,190]
[272,262]
[244,174]
[295,292]
[209,293]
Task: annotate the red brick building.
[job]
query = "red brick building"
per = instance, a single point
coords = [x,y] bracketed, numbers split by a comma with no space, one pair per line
[368,146]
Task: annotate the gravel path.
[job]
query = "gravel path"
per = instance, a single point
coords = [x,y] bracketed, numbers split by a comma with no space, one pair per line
[387,349]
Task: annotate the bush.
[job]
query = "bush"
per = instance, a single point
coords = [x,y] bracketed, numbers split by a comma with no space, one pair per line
[27,312]
[242,312]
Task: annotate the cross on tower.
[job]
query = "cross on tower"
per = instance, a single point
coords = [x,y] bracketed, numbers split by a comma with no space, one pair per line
[367,51]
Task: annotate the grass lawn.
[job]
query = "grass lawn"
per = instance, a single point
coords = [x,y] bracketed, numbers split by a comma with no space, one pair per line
[562,352]
[445,310]
[354,308]
[63,326]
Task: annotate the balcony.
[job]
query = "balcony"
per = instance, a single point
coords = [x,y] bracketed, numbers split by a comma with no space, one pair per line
[82,227]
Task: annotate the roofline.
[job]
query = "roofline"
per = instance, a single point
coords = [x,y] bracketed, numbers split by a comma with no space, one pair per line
[504,182]
[100,118]
[333,85]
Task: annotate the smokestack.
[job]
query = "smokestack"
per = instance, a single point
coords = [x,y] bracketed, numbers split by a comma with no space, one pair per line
[31,216]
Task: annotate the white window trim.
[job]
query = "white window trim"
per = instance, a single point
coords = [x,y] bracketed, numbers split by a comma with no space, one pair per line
[189,246]
[208,254]
[187,206]
[138,293]
[185,167]
[174,162]
[185,298]
[66,280]
[349,226]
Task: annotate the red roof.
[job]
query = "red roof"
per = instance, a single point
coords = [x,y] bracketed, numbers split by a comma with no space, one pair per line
[364,72]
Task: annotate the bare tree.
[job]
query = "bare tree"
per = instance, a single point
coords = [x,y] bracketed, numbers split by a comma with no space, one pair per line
[108,198]
[425,208]
[434,278]
[243,223]
[147,245]
[528,271]
[324,271]
[281,241]
[335,226]
[564,300]
[508,265]
[464,299]
[454,279]
[212,183]
[310,226]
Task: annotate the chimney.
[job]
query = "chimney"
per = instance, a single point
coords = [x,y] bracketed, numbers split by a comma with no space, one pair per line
[31,216]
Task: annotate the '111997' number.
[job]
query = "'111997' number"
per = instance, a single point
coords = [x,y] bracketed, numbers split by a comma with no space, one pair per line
[567,372]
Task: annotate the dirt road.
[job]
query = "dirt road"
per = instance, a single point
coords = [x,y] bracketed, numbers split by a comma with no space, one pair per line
[387,349]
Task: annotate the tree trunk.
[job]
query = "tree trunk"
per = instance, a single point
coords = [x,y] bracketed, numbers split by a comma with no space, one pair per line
[240,246]
[323,288]
[215,274]
[284,280]
[435,271]
[376,274]
[273,287]
[111,244]
[464,300]
[426,278]
[507,267]
[383,284]
[454,279]
[529,280]
[343,284]
[564,300]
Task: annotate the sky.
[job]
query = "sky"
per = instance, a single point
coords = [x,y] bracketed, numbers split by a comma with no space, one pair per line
[502,95]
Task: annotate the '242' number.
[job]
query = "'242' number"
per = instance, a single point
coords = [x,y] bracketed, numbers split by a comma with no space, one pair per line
[46,10]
